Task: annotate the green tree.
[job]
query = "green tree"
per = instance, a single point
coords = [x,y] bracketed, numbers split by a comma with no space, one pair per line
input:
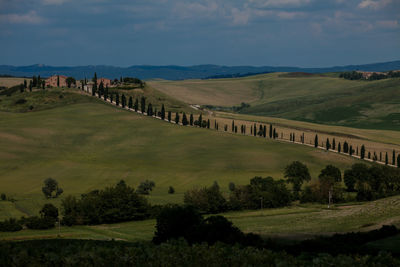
[255,130]
[149,109]
[162,112]
[232,186]
[136,106]
[143,104]
[177,118]
[171,190]
[333,144]
[328,145]
[296,173]
[208,124]
[316,141]
[270,131]
[339,148]
[117,99]
[169,116]
[398,161]
[362,152]
[49,212]
[25,84]
[333,172]
[51,189]
[233,126]
[191,120]
[58,80]
[386,159]
[70,81]
[30,86]
[394,158]
[130,102]
[184,120]
[123,101]
[145,187]
[200,120]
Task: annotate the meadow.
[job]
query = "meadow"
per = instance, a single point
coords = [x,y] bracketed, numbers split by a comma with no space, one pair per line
[324,99]
[90,145]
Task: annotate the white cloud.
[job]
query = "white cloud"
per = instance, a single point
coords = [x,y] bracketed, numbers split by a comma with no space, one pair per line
[29,18]
[240,17]
[278,3]
[392,24]
[374,4]
[289,15]
[53,2]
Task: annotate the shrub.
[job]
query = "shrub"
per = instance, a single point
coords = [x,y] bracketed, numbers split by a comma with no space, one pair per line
[171,190]
[145,187]
[3,197]
[20,101]
[207,199]
[38,223]
[10,225]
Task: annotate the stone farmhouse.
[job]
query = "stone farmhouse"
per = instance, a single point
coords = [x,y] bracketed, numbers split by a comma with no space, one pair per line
[53,81]
[89,86]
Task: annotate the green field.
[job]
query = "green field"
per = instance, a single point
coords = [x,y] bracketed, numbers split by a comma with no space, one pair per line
[320,99]
[297,222]
[90,145]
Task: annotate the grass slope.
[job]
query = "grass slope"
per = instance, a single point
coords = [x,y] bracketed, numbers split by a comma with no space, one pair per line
[91,145]
[321,99]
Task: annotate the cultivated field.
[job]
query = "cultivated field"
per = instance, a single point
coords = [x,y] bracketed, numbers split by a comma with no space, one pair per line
[12,81]
[318,98]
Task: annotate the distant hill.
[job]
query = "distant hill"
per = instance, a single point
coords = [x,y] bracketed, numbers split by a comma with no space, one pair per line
[176,72]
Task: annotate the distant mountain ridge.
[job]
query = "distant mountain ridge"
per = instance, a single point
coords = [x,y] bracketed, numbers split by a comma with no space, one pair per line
[173,72]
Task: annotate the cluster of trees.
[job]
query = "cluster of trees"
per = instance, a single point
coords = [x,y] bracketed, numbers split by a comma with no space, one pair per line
[51,188]
[260,193]
[47,219]
[351,75]
[113,204]
[174,222]
[355,75]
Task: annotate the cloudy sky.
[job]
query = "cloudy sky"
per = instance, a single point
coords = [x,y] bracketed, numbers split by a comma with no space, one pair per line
[188,32]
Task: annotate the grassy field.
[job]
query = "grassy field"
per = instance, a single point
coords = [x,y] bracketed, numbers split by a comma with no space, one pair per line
[91,145]
[297,222]
[320,99]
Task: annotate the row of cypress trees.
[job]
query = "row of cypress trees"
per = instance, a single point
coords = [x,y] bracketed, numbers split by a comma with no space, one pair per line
[261,130]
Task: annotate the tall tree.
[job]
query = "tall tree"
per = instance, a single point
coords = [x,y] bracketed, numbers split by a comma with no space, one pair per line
[362,152]
[394,158]
[208,123]
[25,84]
[136,106]
[328,145]
[316,141]
[58,80]
[149,109]
[255,130]
[233,125]
[275,135]
[270,131]
[296,173]
[106,94]
[130,102]
[191,120]
[386,159]
[177,118]
[30,86]
[169,116]
[123,101]
[339,148]
[265,131]
[39,82]
[333,144]
[184,120]
[351,150]
[398,161]
[200,121]
[117,99]
[143,104]
[162,112]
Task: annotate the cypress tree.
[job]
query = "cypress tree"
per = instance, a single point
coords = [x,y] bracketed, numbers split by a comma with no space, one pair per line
[95,80]
[155,112]
[162,112]
[93,91]
[169,116]
[226,127]
[117,99]
[270,131]
[351,150]
[191,120]
[398,161]
[235,129]
[177,118]
[130,103]
[208,124]
[184,120]
[394,158]
[345,147]
[255,129]
[25,84]
[233,125]
[244,129]
[30,86]
[136,106]
[58,80]
[339,148]
[274,133]
[215,124]
[149,109]
[111,98]
[106,94]
[362,152]
[380,156]
[294,137]
[260,130]
[217,127]
[142,104]
[328,145]
[290,137]
[333,144]
[265,131]
[43,84]
[200,121]
[123,101]
[369,154]
[357,151]
[386,159]
[316,141]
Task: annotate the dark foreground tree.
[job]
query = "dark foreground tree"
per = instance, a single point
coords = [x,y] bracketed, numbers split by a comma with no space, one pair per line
[162,112]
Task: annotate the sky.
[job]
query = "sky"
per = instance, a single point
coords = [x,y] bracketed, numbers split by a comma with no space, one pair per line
[303,33]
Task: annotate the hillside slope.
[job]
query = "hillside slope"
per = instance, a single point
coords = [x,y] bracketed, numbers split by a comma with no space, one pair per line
[316,98]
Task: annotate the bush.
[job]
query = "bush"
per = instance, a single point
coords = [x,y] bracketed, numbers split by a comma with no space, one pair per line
[20,101]
[3,197]
[171,190]
[38,223]
[207,199]
[10,225]
[145,187]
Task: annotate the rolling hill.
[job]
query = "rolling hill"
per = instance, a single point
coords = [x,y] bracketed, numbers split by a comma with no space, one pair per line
[322,99]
